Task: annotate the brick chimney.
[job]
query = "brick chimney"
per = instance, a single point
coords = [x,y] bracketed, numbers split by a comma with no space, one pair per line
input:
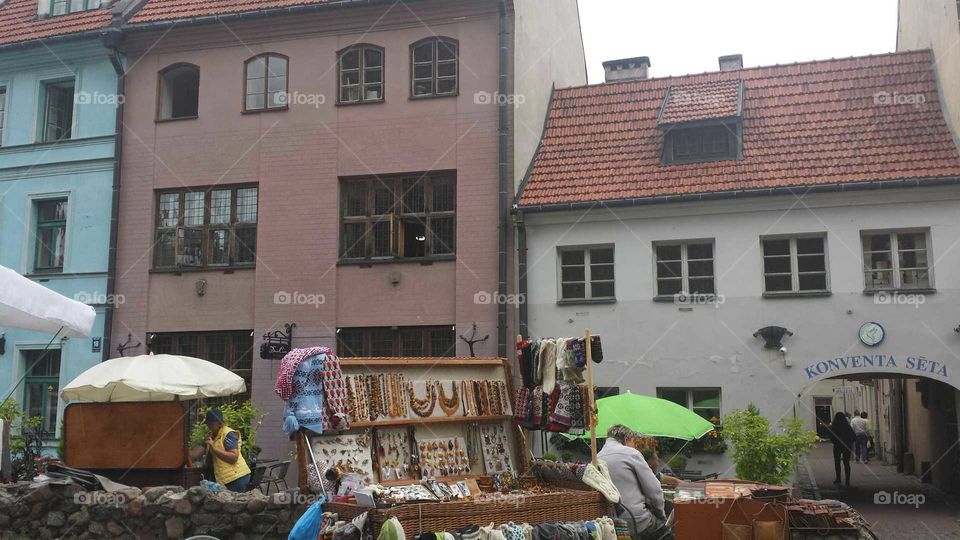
[731,62]
[626,68]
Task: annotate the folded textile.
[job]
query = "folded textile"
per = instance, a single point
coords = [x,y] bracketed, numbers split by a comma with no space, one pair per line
[288,368]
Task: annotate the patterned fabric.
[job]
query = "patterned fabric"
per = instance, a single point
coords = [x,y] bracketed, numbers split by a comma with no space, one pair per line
[566,407]
[335,395]
[540,408]
[596,351]
[305,406]
[577,418]
[512,531]
[522,407]
[579,354]
[288,368]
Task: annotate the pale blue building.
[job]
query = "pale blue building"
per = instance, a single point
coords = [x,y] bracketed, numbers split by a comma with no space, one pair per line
[58,160]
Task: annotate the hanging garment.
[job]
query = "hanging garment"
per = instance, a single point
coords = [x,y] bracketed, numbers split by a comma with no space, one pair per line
[561,417]
[523,407]
[577,424]
[596,351]
[525,361]
[539,409]
[567,363]
[579,353]
[548,364]
[335,395]
[288,367]
[304,407]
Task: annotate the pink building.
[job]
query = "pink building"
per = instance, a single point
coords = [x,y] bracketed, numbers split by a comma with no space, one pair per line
[334,166]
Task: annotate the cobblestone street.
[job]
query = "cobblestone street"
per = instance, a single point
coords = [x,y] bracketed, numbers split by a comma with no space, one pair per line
[896,506]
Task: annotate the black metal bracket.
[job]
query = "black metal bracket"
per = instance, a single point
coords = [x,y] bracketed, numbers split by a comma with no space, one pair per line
[772,336]
[122,348]
[278,343]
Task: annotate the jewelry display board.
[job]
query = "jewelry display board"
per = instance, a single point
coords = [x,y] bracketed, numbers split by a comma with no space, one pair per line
[423,418]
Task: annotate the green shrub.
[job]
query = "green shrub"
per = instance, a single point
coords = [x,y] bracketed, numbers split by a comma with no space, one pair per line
[762,454]
[241,416]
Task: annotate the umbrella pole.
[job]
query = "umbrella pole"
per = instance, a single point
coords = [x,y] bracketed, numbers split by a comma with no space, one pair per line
[592,403]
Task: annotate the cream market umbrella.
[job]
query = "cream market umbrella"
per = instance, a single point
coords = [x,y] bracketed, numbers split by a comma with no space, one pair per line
[29,305]
[160,377]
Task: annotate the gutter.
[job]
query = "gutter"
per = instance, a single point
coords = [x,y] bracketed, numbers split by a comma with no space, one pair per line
[503,213]
[111,40]
[740,194]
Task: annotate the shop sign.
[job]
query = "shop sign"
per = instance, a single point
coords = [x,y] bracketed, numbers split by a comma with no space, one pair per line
[277,344]
[877,362]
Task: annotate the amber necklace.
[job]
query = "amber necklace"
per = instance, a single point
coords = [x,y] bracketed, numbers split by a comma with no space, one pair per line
[423,407]
[449,405]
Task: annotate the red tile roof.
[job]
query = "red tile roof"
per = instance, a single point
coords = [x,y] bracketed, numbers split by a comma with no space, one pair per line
[837,121]
[19,22]
[706,101]
[171,10]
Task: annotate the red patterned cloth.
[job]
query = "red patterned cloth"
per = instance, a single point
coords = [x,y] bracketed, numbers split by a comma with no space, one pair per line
[334,395]
[288,366]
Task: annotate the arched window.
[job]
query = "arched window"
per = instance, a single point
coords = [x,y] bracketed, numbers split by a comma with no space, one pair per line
[179,94]
[434,67]
[361,74]
[265,86]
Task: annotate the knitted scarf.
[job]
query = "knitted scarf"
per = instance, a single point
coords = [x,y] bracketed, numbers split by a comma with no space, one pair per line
[288,368]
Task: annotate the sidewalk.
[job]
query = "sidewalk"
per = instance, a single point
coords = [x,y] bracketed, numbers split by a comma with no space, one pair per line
[896,506]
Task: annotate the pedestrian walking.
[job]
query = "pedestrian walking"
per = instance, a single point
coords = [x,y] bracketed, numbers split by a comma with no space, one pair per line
[861,429]
[843,439]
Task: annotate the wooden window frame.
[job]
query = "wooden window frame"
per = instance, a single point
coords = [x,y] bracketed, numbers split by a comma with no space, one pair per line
[397,334]
[47,96]
[161,93]
[434,67]
[50,224]
[896,284]
[397,216]
[231,351]
[588,280]
[205,228]
[684,261]
[28,380]
[689,391]
[266,83]
[795,272]
[361,49]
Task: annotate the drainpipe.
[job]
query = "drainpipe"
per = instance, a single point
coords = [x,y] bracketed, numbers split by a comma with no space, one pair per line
[111,39]
[522,270]
[502,205]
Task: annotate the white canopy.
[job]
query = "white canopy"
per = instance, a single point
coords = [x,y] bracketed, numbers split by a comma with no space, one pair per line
[160,377]
[29,305]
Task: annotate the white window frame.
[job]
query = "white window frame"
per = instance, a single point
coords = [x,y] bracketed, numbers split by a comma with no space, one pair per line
[794,265]
[690,390]
[895,284]
[684,267]
[587,281]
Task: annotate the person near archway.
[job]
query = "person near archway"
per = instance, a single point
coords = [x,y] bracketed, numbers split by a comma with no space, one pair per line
[861,428]
[843,439]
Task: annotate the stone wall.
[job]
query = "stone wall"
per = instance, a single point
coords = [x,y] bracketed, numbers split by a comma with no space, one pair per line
[42,510]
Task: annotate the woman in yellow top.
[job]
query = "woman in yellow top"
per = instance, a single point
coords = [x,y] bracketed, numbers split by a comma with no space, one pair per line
[223,446]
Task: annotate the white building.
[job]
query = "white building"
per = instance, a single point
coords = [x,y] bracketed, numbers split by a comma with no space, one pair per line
[679,217]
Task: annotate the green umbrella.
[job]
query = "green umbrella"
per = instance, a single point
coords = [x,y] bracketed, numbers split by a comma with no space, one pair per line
[649,416]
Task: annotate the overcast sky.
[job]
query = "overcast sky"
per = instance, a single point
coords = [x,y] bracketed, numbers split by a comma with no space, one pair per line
[687,36]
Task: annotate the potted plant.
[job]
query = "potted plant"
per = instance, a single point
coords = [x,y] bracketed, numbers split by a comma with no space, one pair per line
[763,454]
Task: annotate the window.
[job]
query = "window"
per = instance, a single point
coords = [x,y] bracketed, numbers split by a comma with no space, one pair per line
[685,268]
[689,145]
[51,235]
[3,111]
[435,67]
[63,7]
[265,88]
[398,217]
[41,388]
[794,265]
[232,350]
[586,273]
[57,111]
[361,74]
[703,401]
[896,260]
[411,341]
[209,228]
[179,96]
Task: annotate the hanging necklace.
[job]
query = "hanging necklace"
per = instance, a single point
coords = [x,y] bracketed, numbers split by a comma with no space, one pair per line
[449,405]
[423,407]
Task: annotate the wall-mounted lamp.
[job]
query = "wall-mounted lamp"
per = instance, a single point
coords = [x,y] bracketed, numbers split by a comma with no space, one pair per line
[773,337]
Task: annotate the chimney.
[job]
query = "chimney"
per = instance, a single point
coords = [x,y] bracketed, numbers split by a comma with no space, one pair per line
[731,62]
[626,68]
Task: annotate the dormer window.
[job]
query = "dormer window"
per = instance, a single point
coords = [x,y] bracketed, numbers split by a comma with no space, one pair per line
[63,7]
[702,122]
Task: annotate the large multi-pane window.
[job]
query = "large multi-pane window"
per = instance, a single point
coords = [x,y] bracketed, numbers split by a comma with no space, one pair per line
[434,66]
[412,341]
[266,81]
[361,74]
[685,268]
[41,388]
[896,260]
[232,350]
[51,235]
[703,401]
[63,7]
[57,111]
[586,273]
[794,265]
[216,227]
[410,216]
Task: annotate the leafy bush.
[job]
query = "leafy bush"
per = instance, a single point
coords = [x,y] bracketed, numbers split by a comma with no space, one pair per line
[26,451]
[10,410]
[241,416]
[762,454]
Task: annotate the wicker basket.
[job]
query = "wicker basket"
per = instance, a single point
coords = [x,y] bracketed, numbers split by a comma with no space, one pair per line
[572,505]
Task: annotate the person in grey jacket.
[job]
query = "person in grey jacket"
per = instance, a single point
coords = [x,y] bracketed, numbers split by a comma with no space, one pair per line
[640,491]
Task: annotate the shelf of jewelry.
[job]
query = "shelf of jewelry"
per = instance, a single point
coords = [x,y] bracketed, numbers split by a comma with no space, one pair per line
[393,454]
[496,449]
[444,457]
[346,452]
